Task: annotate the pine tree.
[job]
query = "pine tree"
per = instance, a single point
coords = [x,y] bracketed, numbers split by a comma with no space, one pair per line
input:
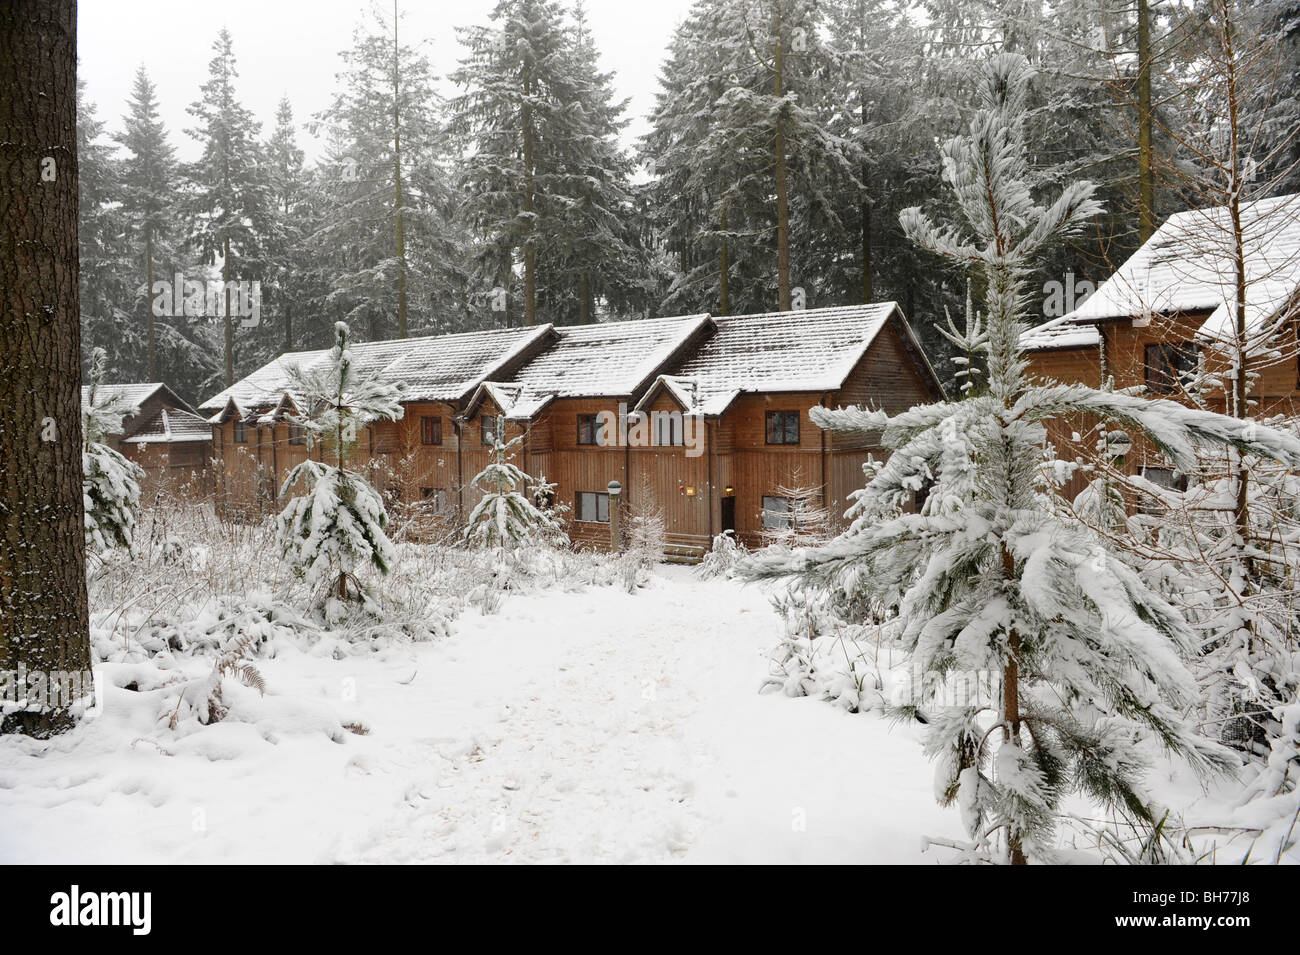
[988,578]
[388,223]
[149,198]
[228,208]
[337,526]
[516,112]
[111,483]
[504,517]
[289,264]
[100,223]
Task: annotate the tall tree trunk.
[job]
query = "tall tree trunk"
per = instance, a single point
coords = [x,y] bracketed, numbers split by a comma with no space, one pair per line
[151,361]
[397,187]
[530,251]
[1241,385]
[778,158]
[865,211]
[225,295]
[43,612]
[724,270]
[584,298]
[288,325]
[1146,156]
[1011,704]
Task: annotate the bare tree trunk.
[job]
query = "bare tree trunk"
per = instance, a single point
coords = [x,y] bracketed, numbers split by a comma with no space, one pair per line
[43,612]
[225,295]
[778,158]
[1011,705]
[397,188]
[151,362]
[530,251]
[1146,157]
[724,270]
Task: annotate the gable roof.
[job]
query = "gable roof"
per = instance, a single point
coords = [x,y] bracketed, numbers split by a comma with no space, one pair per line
[171,426]
[605,360]
[811,350]
[1186,267]
[1060,333]
[434,368]
[133,393]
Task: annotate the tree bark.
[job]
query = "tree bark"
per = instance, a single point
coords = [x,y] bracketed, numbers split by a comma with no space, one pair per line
[400,225]
[530,251]
[724,270]
[1146,156]
[1011,705]
[151,362]
[43,610]
[778,158]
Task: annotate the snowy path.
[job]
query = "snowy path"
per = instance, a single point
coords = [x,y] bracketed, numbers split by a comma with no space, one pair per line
[584,727]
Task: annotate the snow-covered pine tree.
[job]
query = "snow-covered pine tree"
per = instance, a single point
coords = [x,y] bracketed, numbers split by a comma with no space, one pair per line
[101,252]
[110,483]
[395,248]
[148,193]
[504,517]
[988,579]
[337,526]
[228,206]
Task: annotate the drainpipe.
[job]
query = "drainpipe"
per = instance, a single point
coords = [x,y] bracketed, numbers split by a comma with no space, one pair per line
[708,440]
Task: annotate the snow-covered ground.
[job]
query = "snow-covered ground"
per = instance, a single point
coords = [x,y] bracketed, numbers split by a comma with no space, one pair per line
[592,726]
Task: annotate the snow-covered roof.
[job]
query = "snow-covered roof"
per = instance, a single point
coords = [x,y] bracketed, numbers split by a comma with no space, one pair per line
[134,393]
[434,368]
[811,350]
[611,359]
[1060,333]
[171,426]
[1186,267]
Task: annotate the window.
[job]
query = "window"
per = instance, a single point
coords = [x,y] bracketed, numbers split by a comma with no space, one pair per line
[783,427]
[777,513]
[592,507]
[430,429]
[241,432]
[1167,363]
[587,429]
[491,425]
[434,498]
[667,429]
[297,433]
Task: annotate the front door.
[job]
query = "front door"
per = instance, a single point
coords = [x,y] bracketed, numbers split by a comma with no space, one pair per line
[729,514]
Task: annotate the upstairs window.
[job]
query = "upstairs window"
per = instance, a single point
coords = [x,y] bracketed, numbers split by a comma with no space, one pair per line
[297,433]
[491,427]
[431,429]
[241,432]
[783,427]
[1168,364]
[587,429]
[667,428]
[591,507]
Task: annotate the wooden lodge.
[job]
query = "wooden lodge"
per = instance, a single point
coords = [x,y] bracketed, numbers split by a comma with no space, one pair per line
[703,418]
[1167,313]
[165,436]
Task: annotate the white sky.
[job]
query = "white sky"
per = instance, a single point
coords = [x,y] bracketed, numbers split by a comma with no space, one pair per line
[291,47]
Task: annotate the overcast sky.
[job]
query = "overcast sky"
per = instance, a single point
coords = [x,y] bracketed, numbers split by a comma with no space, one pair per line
[291,47]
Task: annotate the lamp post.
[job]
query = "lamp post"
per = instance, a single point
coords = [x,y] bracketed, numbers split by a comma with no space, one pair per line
[615,517]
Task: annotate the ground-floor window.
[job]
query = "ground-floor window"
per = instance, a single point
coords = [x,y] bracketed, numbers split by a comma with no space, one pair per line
[434,498]
[592,506]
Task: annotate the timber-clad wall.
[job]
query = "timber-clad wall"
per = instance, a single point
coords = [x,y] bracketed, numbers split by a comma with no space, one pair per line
[735,460]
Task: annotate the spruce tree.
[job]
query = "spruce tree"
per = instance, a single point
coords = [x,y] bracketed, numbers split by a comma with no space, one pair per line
[989,578]
[228,204]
